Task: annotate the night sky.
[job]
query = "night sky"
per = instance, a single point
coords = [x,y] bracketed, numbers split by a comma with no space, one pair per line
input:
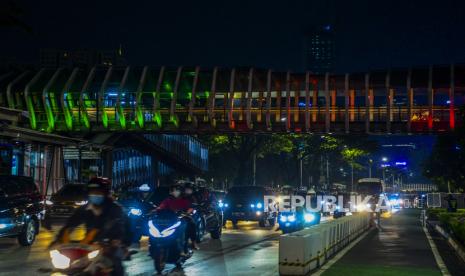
[370,34]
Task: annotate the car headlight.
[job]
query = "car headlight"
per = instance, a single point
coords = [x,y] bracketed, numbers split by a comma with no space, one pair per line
[309,217]
[226,205]
[80,203]
[59,260]
[258,213]
[135,211]
[291,218]
[48,202]
[93,254]
[259,205]
[283,218]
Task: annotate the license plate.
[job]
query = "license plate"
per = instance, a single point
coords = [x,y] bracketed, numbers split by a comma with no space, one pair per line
[238,214]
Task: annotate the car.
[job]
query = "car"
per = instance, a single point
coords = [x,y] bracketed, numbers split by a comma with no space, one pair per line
[65,201]
[246,203]
[21,208]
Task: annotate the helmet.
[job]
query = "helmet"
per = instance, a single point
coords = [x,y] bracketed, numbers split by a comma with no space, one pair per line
[100,184]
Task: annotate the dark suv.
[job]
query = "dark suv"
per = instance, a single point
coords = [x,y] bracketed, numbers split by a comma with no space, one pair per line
[21,208]
[63,203]
[247,203]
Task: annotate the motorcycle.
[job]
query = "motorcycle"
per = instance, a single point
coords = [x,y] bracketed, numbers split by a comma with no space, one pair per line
[84,259]
[167,241]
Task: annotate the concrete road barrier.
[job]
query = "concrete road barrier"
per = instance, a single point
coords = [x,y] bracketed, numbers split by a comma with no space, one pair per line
[303,251]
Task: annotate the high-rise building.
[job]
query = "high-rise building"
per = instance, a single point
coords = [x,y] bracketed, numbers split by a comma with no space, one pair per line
[320,49]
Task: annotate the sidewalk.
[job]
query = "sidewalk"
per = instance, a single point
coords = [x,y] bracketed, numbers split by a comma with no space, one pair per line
[399,248]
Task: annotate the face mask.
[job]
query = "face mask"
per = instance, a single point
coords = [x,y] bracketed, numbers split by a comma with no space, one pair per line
[175,193]
[96,199]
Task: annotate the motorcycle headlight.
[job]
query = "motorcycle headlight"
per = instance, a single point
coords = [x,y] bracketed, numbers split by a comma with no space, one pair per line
[252,205]
[135,211]
[291,218]
[165,233]
[48,202]
[259,205]
[80,203]
[59,260]
[283,218]
[309,217]
[153,230]
[170,230]
[93,254]
[220,204]
[226,205]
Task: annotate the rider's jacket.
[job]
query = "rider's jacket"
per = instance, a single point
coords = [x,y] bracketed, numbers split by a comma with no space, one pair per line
[110,224]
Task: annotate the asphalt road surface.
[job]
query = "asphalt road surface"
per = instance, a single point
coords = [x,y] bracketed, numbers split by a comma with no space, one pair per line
[249,250]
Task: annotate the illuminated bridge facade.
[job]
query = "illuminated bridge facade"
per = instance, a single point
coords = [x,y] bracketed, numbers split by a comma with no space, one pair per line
[219,100]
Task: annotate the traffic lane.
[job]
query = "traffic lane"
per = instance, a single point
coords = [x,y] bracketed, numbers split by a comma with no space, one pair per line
[18,260]
[398,247]
[233,252]
[248,248]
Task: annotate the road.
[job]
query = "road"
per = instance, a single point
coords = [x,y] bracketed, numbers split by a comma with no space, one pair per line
[249,250]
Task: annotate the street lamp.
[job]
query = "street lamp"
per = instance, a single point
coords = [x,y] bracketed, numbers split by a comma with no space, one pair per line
[384,159]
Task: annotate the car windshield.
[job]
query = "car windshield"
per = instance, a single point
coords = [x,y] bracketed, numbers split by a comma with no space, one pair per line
[11,185]
[370,188]
[72,191]
[246,192]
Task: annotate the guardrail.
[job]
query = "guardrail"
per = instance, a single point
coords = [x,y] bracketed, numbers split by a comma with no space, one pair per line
[303,251]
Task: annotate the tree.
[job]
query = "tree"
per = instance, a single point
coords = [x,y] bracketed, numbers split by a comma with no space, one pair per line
[446,164]
[231,156]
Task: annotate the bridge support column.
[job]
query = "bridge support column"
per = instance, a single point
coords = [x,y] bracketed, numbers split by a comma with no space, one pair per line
[231,99]
[278,101]
[307,101]
[288,100]
[191,117]
[107,158]
[346,103]
[211,99]
[296,100]
[451,98]
[333,105]
[327,107]
[315,102]
[409,101]
[352,104]
[430,98]
[367,103]
[268,100]
[389,97]
[249,100]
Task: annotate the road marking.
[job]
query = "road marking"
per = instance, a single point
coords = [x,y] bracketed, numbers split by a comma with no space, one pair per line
[341,253]
[437,256]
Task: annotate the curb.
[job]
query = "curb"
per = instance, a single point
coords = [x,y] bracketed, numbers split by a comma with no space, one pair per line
[454,244]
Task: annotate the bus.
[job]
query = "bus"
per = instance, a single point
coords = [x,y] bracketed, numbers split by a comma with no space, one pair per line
[373,187]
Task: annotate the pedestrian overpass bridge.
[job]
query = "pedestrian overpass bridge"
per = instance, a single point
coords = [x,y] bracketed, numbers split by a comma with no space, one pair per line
[241,100]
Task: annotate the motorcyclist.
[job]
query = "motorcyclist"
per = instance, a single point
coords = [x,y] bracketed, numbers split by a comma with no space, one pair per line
[104,221]
[188,194]
[176,203]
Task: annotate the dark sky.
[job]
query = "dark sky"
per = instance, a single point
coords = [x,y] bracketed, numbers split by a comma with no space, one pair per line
[370,34]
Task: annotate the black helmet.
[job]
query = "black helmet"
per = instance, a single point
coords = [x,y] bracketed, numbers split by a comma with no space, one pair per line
[101,184]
